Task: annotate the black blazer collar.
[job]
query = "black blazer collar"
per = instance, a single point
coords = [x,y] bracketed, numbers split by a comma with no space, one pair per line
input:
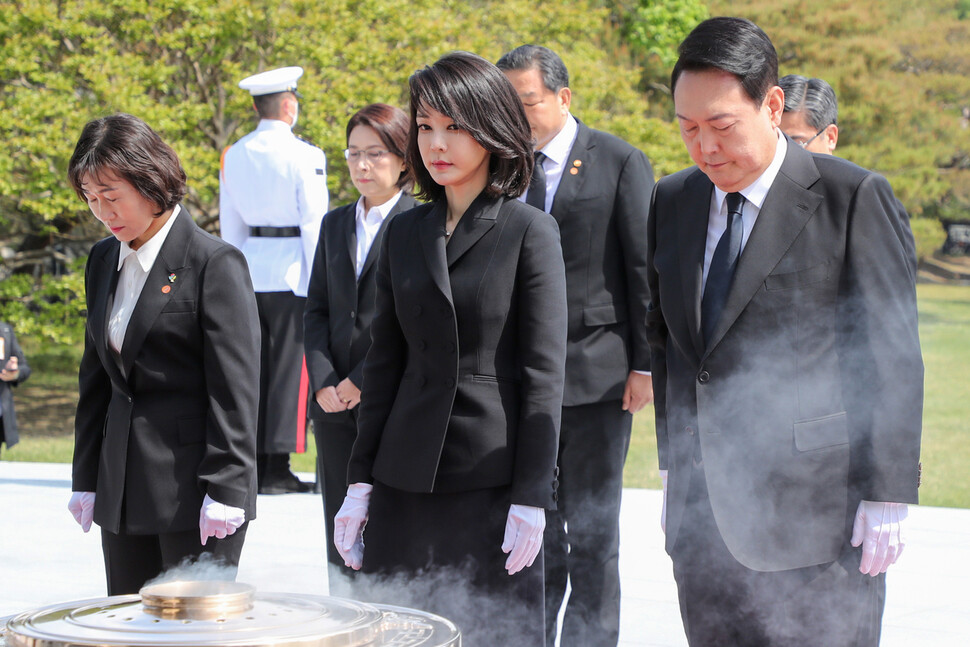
[789,205]
[405,202]
[580,157]
[475,223]
[164,274]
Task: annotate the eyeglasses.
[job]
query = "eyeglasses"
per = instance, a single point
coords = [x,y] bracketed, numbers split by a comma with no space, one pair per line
[811,139]
[373,155]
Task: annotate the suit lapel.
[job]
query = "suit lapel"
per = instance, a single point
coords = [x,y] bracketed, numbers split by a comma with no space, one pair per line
[164,273]
[787,208]
[350,235]
[101,309]
[431,232]
[475,223]
[404,203]
[693,212]
[583,151]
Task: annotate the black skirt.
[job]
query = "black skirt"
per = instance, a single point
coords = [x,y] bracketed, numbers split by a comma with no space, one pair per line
[442,553]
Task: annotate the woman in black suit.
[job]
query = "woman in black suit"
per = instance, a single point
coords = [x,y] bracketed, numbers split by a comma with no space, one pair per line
[165,431]
[340,299]
[455,458]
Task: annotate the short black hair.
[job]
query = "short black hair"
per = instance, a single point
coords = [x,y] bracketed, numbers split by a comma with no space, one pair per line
[392,126]
[126,146]
[481,101]
[733,45]
[814,96]
[552,70]
[270,106]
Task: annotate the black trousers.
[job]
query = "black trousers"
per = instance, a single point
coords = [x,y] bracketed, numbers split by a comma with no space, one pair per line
[281,361]
[335,434]
[582,537]
[132,560]
[724,603]
[443,553]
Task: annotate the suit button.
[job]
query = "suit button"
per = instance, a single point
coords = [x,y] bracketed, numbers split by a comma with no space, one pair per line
[689,430]
[450,382]
[422,344]
[451,347]
[422,380]
[129,399]
[555,484]
[555,496]
[416,311]
[555,472]
[352,314]
[703,377]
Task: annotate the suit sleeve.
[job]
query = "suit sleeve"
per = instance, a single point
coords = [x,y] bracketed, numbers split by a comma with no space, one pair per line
[316,322]
[22,366]
[632,203]
[94,393]
[542,322]
[230,357]
[656,331]
[312,199]
[383,369]
[881,360]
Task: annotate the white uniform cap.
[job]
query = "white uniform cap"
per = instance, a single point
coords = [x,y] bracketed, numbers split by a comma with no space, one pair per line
[279,80]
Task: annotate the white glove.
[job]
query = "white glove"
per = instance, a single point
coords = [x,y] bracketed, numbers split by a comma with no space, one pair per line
[878,528]
[81,506]
[523,536]
[348,525]
[218,520]
[663,509]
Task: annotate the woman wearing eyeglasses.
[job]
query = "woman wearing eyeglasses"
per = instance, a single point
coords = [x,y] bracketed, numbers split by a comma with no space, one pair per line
[340,298]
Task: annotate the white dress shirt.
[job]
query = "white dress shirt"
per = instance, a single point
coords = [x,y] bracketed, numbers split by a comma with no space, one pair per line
[368,224]
[272,178]
[754,198]
[557,155]
[134,266]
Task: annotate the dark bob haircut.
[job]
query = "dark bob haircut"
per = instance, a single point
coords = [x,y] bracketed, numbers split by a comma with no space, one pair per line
[392,126]
[733,45]
[127,147]
[481,101]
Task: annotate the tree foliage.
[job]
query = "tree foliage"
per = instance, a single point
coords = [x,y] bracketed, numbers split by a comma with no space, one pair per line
[901,72]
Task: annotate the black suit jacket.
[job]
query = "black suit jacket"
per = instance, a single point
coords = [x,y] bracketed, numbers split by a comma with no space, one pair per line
[463,382]
[175,418]
[602,209]
[8,417]
[809,396]
[340,306]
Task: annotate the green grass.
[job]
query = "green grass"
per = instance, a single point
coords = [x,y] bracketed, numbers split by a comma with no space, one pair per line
[945,335]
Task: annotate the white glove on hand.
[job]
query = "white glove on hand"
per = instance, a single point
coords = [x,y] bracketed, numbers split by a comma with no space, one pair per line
[218,520]
[663,509]
[523,536]
[348,525]
[878,528]
[81,506]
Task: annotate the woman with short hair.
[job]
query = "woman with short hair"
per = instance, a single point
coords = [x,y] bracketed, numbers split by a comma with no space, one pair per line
[164,453]
[455,458]
[340,299]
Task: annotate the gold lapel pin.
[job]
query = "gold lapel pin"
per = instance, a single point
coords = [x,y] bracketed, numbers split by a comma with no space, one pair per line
[577,163]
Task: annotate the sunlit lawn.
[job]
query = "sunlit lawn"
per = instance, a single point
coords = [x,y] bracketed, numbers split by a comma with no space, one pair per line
[945,334]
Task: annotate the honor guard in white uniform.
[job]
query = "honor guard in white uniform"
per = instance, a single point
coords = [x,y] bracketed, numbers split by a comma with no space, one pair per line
[272,199]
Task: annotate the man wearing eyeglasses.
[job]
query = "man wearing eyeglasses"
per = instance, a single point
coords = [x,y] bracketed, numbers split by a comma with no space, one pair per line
[272,199]
[811,113]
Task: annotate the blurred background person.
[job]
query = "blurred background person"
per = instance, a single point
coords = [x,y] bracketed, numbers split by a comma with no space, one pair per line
[340,299]
[165,430]
[14,370]
[811,113]
[272,198]
[455,458]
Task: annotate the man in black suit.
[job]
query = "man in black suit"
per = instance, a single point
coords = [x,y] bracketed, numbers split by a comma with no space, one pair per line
[786,361]
[13,371]
[597,187]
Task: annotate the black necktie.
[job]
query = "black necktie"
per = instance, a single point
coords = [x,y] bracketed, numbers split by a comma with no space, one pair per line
[723,262]
[537,186]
